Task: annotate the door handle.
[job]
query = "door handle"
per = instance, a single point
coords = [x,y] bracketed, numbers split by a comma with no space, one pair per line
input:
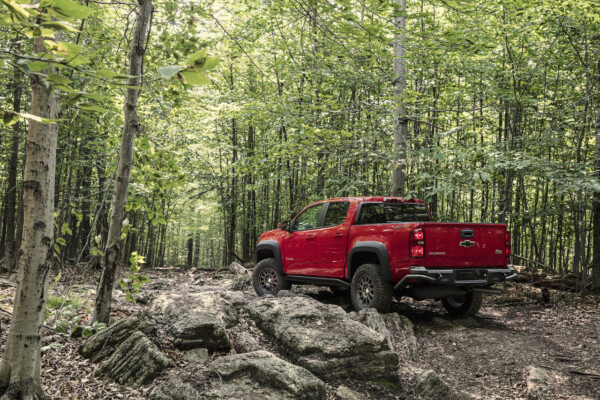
[338,235]
[310,237]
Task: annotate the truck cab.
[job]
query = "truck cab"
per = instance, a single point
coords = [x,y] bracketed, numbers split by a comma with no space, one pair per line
[381,247]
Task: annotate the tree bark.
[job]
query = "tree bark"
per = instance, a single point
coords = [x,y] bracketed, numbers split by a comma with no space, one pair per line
[11,195]
[21,362]
[401,124]
[131,127]
[596,209]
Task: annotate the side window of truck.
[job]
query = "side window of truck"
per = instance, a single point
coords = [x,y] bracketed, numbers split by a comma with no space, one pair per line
[381,213]
[308,219]
[336,213]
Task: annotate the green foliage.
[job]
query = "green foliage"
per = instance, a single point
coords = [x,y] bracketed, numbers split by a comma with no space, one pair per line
[133,281]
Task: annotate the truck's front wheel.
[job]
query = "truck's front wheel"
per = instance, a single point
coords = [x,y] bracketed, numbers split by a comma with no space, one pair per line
[370,290]
[460,306]
[267,279]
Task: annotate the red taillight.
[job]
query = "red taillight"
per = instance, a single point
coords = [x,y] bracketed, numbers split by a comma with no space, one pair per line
[417,243]
[507,251]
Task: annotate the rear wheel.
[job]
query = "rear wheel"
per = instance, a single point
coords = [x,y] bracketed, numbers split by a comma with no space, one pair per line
[370,290]
[466,305]
[267,279]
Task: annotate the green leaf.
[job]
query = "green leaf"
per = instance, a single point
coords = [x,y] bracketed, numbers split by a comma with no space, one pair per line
[200,54]
[66,8]
[210,63]
[91,107]
[170,70]
[59,26]
[10,118]
[61,241]
[194,78]
[41,120]
[65,229]
[105,73]
[37,65]
[58,79]
[17,11]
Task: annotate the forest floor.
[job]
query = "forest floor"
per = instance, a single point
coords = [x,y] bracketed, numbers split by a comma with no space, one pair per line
[485,357]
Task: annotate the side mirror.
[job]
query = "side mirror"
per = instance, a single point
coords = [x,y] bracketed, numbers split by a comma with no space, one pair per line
[285,226]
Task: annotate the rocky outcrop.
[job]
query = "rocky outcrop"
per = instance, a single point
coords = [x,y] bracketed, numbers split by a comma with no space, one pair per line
[537,380]
[374,320]
[250,376]
[134,362]
[196,319]
[244,343]
[241,282]
[175,389]
[104,343]
[321,338]
[429,386]
[237,269]
[345,393]
[268,370]
[403,333]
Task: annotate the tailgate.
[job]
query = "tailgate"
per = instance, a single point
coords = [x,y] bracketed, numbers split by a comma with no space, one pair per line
[464,245]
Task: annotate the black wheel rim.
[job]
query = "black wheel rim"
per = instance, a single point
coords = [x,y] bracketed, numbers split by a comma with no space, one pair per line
[456,301]
[267,280]
[364,290]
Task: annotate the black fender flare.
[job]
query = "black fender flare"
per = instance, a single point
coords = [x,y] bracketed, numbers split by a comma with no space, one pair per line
[373,247]
[273,247]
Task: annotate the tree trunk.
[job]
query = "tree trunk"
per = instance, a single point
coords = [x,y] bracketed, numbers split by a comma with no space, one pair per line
[131,126]
[21,362]
[596,210]
[401,125]
[11,196]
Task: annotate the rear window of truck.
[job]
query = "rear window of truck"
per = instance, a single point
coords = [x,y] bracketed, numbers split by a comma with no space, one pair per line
[382,213]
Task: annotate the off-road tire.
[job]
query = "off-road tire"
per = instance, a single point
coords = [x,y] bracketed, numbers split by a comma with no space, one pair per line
[370,290]
[461,306]
[267,279]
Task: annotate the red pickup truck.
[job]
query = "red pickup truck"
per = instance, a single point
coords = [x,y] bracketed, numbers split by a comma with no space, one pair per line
[381,247]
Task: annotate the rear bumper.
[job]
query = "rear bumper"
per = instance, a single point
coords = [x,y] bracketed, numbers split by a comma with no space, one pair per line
[458,277]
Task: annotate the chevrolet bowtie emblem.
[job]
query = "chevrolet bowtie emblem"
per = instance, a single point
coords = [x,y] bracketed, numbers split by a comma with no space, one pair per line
[467,243]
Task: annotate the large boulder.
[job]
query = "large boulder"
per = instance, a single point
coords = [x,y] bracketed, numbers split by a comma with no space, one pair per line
[236,269]
[104,343]
[196,319]
[241,282]
[374,320]
[430,386]
[249,376]
[134,362]
[321,338]
[268,370]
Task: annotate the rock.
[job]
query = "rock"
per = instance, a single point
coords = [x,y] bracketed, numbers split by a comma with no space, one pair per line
[430,386]
[196,319]
[244,343]
[287,293]
[7,283]
[469,323]
[237,269]
[403,332]
[13,278]
[371,318]
[175,389]
[241,282]
[268,370]
[345,393]
[537,382]
[198,356]
[321,338]
[235,298]
[200,330]
[134,362]
[104,343]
